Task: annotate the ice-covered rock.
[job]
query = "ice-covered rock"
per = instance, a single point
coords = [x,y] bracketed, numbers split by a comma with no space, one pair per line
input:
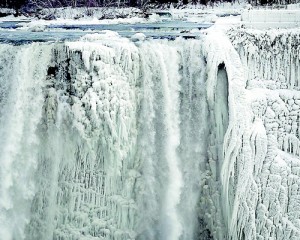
[138,37]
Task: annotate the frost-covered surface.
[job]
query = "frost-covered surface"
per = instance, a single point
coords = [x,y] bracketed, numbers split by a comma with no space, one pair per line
[90,13]
[7,11]
[185,11]
[293,6]
[260,171]
[109,15]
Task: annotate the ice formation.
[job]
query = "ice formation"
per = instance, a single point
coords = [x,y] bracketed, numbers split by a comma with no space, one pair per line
[102,138]
[253,192]
[112,138]
[268,159]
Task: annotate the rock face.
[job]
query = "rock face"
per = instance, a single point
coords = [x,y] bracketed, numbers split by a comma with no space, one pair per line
[105,138]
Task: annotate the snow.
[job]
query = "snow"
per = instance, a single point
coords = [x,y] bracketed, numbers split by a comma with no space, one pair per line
[35,26]
[90,13]
[293,6]
[84,16]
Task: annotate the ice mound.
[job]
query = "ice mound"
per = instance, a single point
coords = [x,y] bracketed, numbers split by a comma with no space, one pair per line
[138,37]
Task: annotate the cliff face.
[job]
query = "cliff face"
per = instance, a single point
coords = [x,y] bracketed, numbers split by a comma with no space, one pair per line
[251,190]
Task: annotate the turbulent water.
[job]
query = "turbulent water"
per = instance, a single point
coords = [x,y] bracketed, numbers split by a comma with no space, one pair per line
[102,139]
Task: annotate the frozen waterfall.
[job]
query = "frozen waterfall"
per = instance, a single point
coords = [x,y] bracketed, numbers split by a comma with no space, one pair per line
[105,138]
[102,139]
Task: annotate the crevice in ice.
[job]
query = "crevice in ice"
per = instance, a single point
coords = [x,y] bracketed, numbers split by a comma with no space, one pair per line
[233,173]
[220,112]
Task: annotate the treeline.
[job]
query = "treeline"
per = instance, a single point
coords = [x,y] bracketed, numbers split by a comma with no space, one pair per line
[39,4]
[15,4]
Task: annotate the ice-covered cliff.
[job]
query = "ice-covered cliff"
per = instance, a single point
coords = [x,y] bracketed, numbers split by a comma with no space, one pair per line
[259,196]
[266,205]
[105,138]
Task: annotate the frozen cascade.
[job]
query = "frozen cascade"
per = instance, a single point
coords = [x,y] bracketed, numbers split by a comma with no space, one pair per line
[168,81]
[103,138]
[193,112]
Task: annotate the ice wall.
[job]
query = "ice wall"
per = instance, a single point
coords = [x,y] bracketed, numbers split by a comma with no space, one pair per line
[259,175]
[273,64]
[251,182]
[226,170]
[103,138]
